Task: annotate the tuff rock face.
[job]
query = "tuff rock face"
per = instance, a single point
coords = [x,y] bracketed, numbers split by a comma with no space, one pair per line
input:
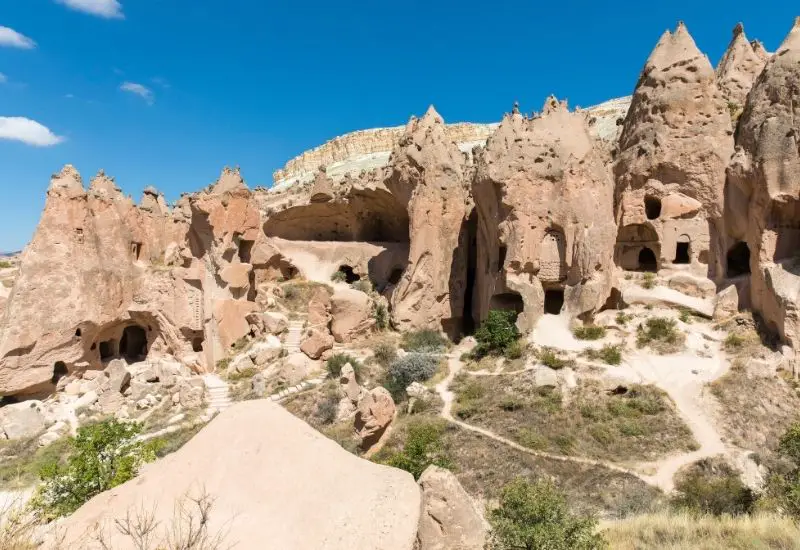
[675,145]
[543,217]
[544,206]
[764,183]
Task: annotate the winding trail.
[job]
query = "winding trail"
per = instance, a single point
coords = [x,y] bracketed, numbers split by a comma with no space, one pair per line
[448,397]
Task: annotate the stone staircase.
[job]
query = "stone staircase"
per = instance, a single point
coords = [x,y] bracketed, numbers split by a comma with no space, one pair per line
[302,386]
[217,389]
[294,336]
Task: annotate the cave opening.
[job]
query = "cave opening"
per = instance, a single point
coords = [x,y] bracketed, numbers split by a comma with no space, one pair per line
[133,344]
[682,253]
[350,276]
[553,301]
[652,207]
[245,250]
[647,260]
[197,344]
[107,350]
[738,260]
[59,371]
[396,275]
[468,320]
[501,261]
[509,301]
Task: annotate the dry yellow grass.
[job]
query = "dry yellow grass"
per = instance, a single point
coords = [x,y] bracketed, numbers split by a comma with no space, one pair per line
[676,531]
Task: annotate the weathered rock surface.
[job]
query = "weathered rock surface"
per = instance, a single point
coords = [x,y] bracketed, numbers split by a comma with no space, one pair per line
[316,343]
[449,519]
[351,312]
[738,69]
[288,502]
[21,420]
[375,412]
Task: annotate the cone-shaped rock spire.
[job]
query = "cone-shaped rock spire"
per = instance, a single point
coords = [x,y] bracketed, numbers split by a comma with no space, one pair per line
[68,181]
[739,67]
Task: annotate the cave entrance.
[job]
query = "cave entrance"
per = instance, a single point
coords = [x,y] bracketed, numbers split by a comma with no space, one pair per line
[647,260]
[683,251]
[107,349]
[245,251]
[509,301]
[652,207]
[350,276]
[59,371]
[133,344]
[738,260]
[396,275]
[553,301]
[468,322]
[197,344]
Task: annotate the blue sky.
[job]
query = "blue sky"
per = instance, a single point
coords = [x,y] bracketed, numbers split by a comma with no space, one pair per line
[209,83]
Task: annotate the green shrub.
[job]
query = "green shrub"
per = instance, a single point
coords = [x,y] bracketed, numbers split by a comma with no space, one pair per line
[782,489]
[4,264]
[243,374]
[384,354]
[423,447]
[339,277]
[609,354]
[716,489]
[101,456]
[468,399]
[550,358]
[513,351]
[328,408]
[733,342]
[497,332]
[424,341]
[337,361]
[658,330]
[686,315]
[381,316]
[413,367]
[623,318]
[536,516]
[648,280]
[532,440]
[590,332]
[364,285]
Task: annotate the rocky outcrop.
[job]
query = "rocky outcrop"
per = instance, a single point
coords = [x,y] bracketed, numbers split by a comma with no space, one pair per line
[376,410]
[449,519]
[738,69]
[545,229]
[427,175]
[675,144]
[291,500]
[764,176]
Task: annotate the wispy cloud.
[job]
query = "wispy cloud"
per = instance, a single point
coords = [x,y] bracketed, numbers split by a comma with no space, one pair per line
[161,82]
[11,38]
[142,91]
[27,131]
[109,9]
[3,78]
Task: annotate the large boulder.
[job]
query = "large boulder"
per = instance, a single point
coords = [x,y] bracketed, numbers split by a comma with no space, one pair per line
[352,314]
[21,420]
[449,519]
[275,483]
[376,411]
[316,343]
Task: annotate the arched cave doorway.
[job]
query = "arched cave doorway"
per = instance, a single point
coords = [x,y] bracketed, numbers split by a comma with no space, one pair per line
[683,253]
[647,260]
[133,344]
[396,275]
[553,301]
[59,371]
[738,260]
[350,276]
[652,207]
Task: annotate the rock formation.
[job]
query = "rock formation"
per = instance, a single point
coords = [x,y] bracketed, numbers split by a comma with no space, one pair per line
[764,181]
[545,228]
[739,67]
[670,170]
[313,495]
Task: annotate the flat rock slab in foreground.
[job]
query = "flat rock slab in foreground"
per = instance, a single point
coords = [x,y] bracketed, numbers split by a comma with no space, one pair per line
[278,484]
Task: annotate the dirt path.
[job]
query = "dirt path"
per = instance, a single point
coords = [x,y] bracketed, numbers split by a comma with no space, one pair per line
[448,397]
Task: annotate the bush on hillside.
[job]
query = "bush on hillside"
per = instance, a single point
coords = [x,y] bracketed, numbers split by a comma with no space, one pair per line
[424,341]
[337,361]
[497,333]
[422,448]
[536,515]
[101,456]
[589,332]
[413,367]
[713,488]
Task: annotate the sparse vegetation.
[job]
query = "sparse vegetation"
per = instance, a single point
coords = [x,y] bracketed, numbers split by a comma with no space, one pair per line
[384,353]
[733,342]
[424,341]
[497,333]
[22,460]
[610,354]
[549,357]
[363,285]
[713,487]
[5,264]
[171,442]
[782,491]
[660,334]
[648,280]
[535,515]
[339,276]
[589,332]
[296,294]
[682,531]
[623,318]
[338,360]
[423,446]
[412,367]
[101,456]
[381,315]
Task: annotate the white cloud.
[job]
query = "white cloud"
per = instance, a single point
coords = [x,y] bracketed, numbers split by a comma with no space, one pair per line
[109,9]
[13,39]
[27,131]
[142,91]
[3,78]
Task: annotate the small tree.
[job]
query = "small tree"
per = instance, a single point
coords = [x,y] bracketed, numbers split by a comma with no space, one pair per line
[497,333]
[423,447]
[102,456]
[534,516]
[412,367]
[782,490]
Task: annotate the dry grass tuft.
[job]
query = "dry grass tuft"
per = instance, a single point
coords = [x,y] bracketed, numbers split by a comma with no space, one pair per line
[672,531]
